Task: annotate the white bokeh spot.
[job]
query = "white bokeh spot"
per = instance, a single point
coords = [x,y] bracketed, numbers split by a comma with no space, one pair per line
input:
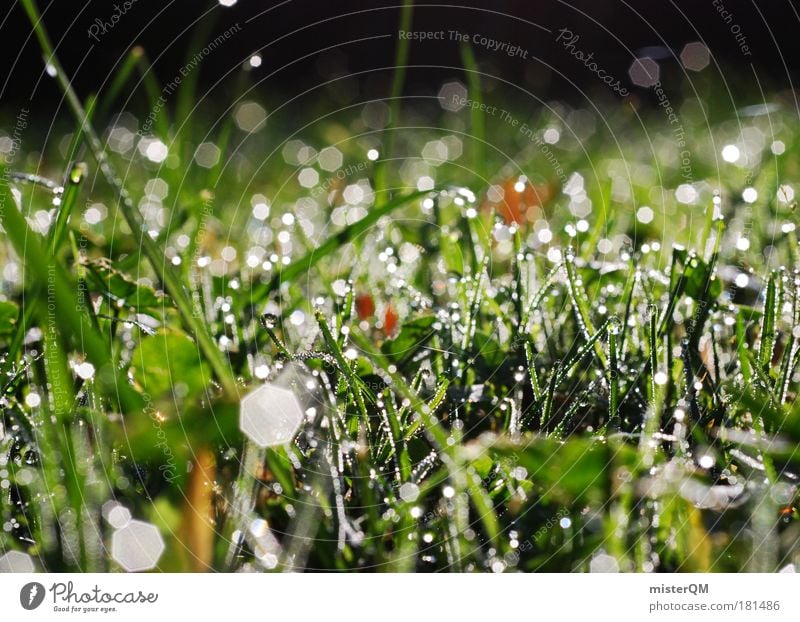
[695,56]
[270,415]
[452,96]
[409,492]
[250,117]
[603,563]
[14,561]
[137,546]
[330,159]
[644,72]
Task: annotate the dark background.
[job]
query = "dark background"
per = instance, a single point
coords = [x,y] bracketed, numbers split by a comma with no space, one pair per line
[613,30]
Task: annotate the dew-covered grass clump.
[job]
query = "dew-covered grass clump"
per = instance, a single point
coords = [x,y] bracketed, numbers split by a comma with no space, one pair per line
[228,345]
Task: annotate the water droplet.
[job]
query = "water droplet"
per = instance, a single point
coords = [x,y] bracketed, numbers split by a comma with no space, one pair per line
[269,320]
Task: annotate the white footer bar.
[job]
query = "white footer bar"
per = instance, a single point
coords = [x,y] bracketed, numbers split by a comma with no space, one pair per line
[390,598]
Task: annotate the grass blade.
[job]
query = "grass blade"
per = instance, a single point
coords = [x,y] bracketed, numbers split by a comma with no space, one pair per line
[71,316]
[134,219]
[398,81]
[767,343]
[476,117]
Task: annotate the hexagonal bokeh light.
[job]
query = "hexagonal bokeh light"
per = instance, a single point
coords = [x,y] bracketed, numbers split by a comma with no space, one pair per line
[14,561]
[452,96]
[308,177]
[644,72]
[250,116]
[603,563]
[409,492]
[330,158]
[435,152]
[695,56]
[270,415]
[137,546]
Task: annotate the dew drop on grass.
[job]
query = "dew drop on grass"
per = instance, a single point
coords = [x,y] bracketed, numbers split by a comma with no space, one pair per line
[706,461]
[33,400]
[270,320]
[85,371]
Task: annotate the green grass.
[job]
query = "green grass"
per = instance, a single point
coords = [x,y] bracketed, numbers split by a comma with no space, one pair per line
[488,396]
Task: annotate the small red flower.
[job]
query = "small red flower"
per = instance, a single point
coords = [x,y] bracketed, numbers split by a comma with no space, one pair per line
[365,306]
[389,321]
[521,207]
